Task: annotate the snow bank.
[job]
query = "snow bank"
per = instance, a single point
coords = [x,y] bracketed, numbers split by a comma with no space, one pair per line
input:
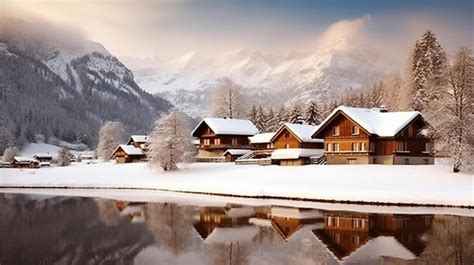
[396,184]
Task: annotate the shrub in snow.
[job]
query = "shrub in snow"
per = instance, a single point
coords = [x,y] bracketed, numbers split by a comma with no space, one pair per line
[110,136]
[9,154]
[171,141]
[64,157]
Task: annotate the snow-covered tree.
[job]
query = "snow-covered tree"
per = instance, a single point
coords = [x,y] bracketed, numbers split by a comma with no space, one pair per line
[453,119]
[64,157]
[312,115]
[171,141]
[427,66]
[281,117]
[9,154]
[227,100]
[111,134]
[261,118]
[270,121]
[295,115]
[392,94]
[253,114]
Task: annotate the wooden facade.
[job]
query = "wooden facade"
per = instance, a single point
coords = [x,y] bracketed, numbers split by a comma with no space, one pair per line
[121,156]
[25,163]
[214,145]
[347,142]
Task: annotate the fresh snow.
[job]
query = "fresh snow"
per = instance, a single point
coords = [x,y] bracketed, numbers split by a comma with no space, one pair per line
[232,234]
[295,153]
[261,138]
[223,126]
[129,149]
[139,138]
[411,184]
[303,132]
[237,151]
[383,124]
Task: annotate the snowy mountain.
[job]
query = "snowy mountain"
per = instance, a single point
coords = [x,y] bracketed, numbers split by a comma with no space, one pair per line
[331,68]
[56,83]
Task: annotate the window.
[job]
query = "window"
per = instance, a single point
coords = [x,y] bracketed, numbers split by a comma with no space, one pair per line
[425,161]
[329,221]
[335,147]
[407,161]
[355,223]
[402,146]
[351,161]
[206,141]
[355,146]
[329,147]
[355,130]
[362,147]
[235,141]
[217,141]
[335,130]
[355,240]
[287,146]
[336,221]
[410,131]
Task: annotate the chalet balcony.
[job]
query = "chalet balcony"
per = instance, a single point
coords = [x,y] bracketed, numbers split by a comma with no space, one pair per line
[348,152]
[224,146]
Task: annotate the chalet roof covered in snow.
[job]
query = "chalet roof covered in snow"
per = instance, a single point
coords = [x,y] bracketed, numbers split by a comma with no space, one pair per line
[24,159]
[240,212]
[383,124]
[295,153]
[48,155]
[129,149]
[262,138]
[237,152]
[301,131]
[139,138]
[378,247]
[296,213]
[232,234]
[228,126]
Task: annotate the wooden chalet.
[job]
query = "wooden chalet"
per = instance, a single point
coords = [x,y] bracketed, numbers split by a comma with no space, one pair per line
[262,141]
[25,162]
[139,141]
[128,154]
[374,136]
[216,135]
[294,146]
[232,154]
[347,235]
[287,221]
[44,159]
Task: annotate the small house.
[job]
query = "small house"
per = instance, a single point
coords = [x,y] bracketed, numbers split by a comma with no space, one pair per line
[374,136]
[216,135]
[232,154]
[139,141]
[294,146]
[128,154]
[25,162]
[87,155]
[44,159]
[262,141]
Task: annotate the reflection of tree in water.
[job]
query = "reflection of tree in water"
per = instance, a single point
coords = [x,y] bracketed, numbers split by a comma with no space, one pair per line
[233,253]
[108,214]
[451,241]
[171,225]
[64,231]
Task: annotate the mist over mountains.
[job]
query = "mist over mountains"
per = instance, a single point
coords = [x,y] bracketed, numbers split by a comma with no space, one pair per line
[55,83]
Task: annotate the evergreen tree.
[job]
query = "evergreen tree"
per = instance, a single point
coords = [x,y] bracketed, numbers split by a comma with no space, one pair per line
[296,115]
[281,117]
[260,122]
[270,121]
[312,115]
[253,114]
[427,66]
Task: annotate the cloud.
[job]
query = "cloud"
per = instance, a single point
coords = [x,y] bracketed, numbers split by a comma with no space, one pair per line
[345,30]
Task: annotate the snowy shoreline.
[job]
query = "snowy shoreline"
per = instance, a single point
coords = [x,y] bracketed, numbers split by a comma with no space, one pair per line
[430,185]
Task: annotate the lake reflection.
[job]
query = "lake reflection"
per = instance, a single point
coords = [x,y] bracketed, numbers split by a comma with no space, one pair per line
[72,230]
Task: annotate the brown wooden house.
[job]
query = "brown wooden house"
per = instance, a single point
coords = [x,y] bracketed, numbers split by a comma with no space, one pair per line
[294,146]
[25,162]
[262,141]
[345,233]
[374,136]
[139,141]
[128,154]
[216,135]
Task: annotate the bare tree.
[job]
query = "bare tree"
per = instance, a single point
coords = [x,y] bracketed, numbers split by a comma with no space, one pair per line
[171,141]
[9,154]
[64,157]
[111,134]
[227,100]
[453,119]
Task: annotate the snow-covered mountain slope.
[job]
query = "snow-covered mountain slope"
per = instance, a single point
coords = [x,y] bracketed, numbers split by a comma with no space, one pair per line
[67,85]
[327,71]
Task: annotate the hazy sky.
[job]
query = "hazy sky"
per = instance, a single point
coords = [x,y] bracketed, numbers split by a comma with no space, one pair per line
[173,27]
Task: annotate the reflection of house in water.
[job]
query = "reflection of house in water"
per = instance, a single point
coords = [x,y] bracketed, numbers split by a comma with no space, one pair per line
[352,236]
[134,211]
[228,219]
[288,221]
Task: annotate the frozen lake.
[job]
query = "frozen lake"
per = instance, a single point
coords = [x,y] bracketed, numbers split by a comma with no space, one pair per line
[134,227]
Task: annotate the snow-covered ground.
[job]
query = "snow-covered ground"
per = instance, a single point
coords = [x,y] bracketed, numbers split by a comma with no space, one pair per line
[423,184]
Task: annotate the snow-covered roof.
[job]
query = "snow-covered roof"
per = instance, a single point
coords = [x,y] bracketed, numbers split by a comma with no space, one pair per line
[237,151]
[295,153]
[232,234]
[139,138]
[296,213]
[228,126]
[240,212]
[384,124]
[261,138]
[129,149]
[301,131]
[378,247]
[48,155]
[25,159]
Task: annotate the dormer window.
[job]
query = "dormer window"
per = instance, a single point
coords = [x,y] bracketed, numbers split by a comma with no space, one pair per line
[335,130]
[355,130]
